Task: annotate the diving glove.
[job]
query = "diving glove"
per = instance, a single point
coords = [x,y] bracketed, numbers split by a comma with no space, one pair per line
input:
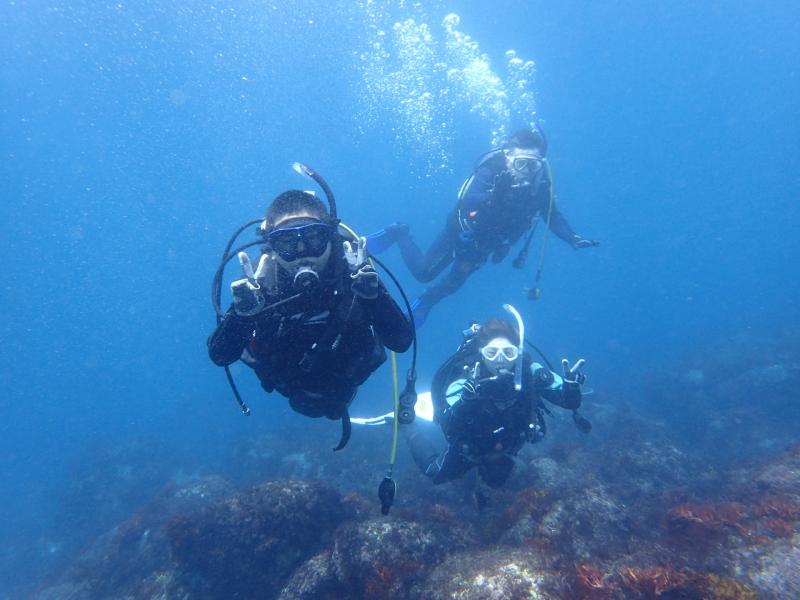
[365,282]
[248,297]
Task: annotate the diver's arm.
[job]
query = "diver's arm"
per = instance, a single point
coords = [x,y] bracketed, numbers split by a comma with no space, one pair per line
[552,387]
[561,227]
[558,222]
[226,343]
[546,204]
[389,321]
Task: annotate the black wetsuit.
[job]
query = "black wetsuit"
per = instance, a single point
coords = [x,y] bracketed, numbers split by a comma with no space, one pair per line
[317,349]
[491,216]
[487,429]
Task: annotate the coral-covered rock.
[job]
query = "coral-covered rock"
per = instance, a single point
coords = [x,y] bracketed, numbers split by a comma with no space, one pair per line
[316,579]
[253,540]
[590,524]
[389,558]
[492,575]
[133,559]
[773,570]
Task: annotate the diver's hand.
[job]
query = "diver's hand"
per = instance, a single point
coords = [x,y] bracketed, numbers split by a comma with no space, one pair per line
[578,242]
[503,182]
[366,283]
[470,390]
[355,254]
[573,375]
[499,386]
[248,298]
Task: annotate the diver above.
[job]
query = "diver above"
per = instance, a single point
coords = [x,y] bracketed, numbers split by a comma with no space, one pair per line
[313,318]
[510,188]
[488,399]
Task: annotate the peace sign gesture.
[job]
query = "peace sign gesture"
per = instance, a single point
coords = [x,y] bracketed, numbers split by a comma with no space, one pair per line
[248,299]
[573,374]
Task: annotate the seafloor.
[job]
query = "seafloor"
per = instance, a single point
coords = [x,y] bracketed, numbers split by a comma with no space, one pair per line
[687,487]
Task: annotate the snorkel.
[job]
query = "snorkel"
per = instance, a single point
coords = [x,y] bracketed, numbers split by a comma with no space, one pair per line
[312,174]
[521,331]
[229,254]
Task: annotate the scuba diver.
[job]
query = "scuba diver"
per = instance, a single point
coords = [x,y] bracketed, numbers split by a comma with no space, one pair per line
[510,189]
[313,318]
[488,399]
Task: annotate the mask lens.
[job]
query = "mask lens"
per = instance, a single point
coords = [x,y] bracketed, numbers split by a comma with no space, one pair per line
[510,352]
[286,242]
[490,352]
[527,164]
[493,353]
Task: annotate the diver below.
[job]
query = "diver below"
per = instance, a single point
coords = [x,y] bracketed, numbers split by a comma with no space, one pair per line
[488,398]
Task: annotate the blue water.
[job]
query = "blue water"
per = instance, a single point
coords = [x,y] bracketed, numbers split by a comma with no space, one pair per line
[135,137]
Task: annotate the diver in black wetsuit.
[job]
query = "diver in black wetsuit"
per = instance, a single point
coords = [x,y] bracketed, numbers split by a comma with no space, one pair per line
[488,400]
[313,318]
[509,189]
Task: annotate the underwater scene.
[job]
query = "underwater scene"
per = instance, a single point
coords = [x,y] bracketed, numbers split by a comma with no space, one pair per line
[402,300]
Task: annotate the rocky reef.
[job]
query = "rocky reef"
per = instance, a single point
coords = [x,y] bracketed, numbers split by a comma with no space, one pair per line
[628,512]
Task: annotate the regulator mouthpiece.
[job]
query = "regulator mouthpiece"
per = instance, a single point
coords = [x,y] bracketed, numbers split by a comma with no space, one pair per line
[305,279]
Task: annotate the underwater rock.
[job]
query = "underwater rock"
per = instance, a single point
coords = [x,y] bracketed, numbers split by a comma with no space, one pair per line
[492,575]
[774,571]
[133,559]
[778,475]
[389,558]
[316,579]
[254,539]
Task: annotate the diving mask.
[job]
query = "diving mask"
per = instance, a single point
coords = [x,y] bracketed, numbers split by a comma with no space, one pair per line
[305,240]
[500,355]
[524,165]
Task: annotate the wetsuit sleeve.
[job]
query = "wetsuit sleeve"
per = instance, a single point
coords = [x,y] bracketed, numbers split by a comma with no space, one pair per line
[389,321]
[226,343]
[558,222]
[554,389]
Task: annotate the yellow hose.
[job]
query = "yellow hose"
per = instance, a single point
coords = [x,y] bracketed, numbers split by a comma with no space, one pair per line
[395,384]
[396,390]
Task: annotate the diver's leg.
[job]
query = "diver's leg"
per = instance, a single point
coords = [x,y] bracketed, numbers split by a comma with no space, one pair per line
[425,266]
[382,240]
[449,284]
[449,465]
[494,473]
[423,449]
